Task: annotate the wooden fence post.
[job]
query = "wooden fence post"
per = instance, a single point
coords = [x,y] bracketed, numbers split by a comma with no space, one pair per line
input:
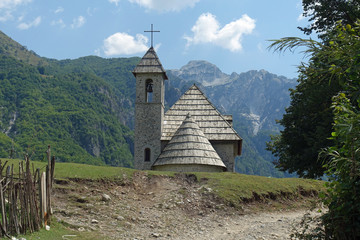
[25,201]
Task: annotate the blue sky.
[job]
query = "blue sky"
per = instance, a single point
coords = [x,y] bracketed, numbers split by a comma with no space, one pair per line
[232,34]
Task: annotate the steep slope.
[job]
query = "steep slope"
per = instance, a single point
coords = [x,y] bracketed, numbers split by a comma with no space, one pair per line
[77,113]
[9,47]
[115,71]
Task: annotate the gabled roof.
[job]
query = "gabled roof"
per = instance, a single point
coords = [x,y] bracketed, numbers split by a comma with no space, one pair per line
[150,63]
[209,119]
[189,146]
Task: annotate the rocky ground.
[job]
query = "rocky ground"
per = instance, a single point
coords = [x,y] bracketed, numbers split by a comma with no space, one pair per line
[167,208]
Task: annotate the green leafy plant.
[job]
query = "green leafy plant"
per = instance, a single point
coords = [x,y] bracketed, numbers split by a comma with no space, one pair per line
[342,221]
[338,62]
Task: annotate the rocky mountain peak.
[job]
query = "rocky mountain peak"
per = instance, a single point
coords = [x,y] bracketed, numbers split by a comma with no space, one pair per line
[202,71]
[201,66]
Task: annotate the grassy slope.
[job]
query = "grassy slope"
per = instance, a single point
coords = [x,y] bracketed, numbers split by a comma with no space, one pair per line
[232,187]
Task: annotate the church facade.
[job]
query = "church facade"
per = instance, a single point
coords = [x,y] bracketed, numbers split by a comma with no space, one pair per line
[191,136]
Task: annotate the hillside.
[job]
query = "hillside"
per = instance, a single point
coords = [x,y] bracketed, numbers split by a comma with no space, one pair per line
[78,113]
[84,107]
[10,48]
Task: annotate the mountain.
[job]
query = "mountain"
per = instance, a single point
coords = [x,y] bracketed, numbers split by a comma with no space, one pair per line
[203,72]
[256,99]
[65,104]
[10,48]
[84,107]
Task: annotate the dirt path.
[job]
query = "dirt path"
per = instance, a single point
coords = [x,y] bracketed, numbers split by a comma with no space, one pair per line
[163,208]
[275,225]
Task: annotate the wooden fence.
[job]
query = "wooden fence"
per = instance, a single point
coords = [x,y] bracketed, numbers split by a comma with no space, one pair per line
[25,201]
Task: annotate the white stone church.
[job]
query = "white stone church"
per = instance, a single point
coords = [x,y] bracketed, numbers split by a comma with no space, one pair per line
[192,136]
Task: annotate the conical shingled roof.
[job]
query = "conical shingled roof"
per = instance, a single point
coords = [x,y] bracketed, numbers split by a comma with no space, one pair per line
[209,119]
[189,146]
[150,63]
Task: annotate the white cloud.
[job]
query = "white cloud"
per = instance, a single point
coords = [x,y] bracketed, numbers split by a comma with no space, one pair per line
[5,16]
[260,47]
[207,30]
[90,11]
[301,17]
[114,1]
[59,10]
[78,22]
[164,5]
[25,26]
[59,23]
[97,52]
[10,4]
[7,7]
[123,43]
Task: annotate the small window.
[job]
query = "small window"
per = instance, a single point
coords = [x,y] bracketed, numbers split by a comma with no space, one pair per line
[149,90]
[147,155]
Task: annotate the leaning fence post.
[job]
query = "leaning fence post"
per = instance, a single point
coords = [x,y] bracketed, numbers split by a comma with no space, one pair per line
[43,198]
[3,214]
[48,184]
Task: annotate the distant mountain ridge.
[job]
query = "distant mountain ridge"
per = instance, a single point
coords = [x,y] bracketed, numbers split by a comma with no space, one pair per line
[204,72]
[256,99]
[258,96]
[85,107]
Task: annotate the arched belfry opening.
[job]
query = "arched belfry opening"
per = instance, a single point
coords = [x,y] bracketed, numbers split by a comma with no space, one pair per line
[149,90]
[147,155]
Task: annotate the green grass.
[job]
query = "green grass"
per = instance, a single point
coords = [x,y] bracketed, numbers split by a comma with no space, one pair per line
[232,187]
[229,186]
[225,184]
[75,170]
[59,231]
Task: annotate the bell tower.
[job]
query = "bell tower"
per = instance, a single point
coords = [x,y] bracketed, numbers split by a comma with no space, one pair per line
[149,109]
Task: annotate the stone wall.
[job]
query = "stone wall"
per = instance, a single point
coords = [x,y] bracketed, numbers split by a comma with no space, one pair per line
[227,151]
[148,120]
[189,168]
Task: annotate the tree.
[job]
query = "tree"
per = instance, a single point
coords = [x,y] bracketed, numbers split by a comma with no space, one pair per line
[308,120]
[338,61]
[324,14]
[342,221]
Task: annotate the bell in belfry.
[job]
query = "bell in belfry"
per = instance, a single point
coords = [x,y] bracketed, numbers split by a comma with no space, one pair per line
[149,87]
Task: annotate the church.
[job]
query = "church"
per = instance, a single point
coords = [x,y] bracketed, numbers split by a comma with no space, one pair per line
[192,136]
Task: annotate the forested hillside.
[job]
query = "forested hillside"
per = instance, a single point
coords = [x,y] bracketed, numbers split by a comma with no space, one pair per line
[82,115]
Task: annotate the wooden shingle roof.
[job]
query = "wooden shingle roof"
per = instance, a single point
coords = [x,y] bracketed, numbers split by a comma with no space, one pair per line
[189,146]
[209,119]
[150,63]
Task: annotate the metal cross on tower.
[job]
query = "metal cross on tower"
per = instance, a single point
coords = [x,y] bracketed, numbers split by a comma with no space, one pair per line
[152,32]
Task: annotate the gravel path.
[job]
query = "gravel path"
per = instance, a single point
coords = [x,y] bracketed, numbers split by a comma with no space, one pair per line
[275,225]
